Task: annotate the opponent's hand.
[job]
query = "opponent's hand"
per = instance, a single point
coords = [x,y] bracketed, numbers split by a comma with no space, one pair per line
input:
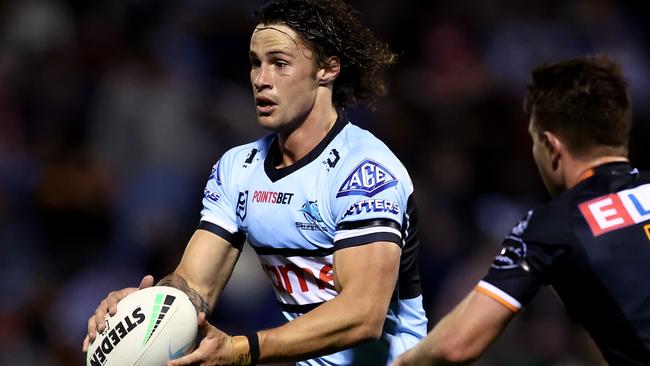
[96,323]
[216,348]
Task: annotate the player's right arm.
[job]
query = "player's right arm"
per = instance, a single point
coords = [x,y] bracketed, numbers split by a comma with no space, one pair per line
[202,274]
[210,255]
[204,270]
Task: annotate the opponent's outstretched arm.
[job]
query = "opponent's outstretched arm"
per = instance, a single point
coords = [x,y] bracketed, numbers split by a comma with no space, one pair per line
[462,335]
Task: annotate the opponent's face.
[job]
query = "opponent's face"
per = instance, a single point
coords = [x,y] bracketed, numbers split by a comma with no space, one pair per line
[545,159]
[283,77]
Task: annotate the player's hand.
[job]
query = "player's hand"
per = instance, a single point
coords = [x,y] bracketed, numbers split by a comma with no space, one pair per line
[412,357]
[402,360]
[216,348]
[96,323]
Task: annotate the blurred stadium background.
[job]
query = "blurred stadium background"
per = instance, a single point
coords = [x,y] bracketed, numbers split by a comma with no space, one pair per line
[113,112]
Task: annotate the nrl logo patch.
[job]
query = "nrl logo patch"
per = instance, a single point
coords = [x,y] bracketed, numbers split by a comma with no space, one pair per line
[242,204]
[367,179]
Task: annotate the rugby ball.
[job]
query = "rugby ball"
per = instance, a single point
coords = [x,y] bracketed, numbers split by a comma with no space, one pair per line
[151,327]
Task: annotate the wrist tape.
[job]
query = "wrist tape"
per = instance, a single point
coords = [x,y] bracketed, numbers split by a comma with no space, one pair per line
[246,350]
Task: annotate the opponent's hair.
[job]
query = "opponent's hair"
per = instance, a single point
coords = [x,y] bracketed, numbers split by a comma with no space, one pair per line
[330,28]
[585,101]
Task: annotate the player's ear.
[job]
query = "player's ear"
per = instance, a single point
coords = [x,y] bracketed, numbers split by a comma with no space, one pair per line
[330,72]
[555,148]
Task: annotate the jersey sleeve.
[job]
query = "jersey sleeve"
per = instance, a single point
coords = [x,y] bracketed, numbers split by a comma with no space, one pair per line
[369,199]
[220,203]
[525,262]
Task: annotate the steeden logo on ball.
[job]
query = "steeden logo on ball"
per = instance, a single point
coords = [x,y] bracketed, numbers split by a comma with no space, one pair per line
[144,331]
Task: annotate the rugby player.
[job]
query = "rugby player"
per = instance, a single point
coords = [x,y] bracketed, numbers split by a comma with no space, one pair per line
[591,243]
[327,207]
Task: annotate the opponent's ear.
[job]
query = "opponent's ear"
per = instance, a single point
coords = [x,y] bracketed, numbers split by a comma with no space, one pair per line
[555,148]
[330,72]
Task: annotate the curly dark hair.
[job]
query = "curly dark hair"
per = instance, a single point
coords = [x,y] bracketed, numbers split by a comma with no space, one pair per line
[586,101]
[331,29]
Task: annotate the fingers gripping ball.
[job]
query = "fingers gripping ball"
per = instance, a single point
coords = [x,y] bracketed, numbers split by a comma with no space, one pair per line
[151,326]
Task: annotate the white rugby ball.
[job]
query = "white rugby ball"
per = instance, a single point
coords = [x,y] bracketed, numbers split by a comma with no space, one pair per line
[151,327]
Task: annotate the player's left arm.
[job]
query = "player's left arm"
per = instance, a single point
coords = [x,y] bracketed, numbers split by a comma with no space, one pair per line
[365,276]
[462,335]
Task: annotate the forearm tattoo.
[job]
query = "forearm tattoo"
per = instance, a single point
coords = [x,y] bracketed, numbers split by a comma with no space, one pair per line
[174,280]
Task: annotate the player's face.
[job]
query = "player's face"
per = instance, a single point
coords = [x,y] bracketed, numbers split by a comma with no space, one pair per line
[542,154]
[283,77]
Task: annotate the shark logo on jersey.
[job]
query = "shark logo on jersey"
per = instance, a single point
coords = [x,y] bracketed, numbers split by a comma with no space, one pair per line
[242,204]
[367,179]
[313,217]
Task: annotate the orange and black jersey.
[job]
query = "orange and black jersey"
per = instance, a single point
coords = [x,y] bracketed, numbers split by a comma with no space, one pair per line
[592,245]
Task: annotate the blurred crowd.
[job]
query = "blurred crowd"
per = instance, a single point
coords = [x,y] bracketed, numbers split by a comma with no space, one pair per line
[113,112]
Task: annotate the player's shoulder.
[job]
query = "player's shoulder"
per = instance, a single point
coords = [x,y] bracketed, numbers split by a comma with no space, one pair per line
[360,145]
[246,155]
[558,217]
[359,141]
[645,175]
[549,223]
[554,221]
[234,164]
[367,165]
[253,149]
[608,202]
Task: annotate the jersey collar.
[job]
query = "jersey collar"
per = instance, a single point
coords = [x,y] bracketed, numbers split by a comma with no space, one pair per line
[274,156]
[614,168]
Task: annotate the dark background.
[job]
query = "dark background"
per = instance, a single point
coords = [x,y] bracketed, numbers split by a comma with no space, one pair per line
[113,112]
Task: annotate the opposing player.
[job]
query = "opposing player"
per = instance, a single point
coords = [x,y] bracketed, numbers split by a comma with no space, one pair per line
[591,243]
[326,205]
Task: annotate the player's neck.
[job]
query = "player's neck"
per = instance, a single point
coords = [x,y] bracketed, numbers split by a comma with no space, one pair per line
[579,170]
[297,143]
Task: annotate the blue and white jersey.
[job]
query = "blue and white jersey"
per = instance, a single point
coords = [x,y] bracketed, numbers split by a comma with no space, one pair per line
[350,190]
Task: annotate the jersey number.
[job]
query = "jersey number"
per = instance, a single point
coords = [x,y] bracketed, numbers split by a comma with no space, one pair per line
[331,163]
[251,156]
